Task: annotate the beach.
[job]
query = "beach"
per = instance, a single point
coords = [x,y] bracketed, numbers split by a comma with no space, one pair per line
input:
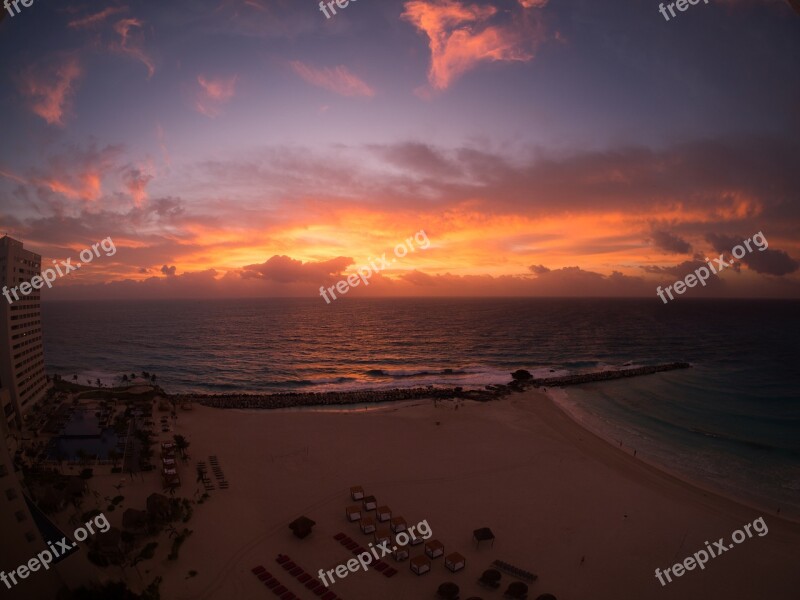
[587,517]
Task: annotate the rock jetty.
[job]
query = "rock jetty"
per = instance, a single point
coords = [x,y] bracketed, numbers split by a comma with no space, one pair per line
[520,382]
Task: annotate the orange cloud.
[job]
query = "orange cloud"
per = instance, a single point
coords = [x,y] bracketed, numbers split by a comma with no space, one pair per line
[52,90]
[128,46]
[96,18]
[457,45]
[338,80]
[87,188]
[213,94]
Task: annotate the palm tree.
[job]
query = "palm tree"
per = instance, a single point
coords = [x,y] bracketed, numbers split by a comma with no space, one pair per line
[125,378]
[153,378]
[181,444]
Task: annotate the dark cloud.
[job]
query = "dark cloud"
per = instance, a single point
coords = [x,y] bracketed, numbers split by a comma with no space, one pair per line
[283,269]
[168,271]
[762,259]
[538,269]
[669,242]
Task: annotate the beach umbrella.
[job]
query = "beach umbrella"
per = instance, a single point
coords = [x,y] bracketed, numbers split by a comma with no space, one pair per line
[483,534]
[448,590]
[517,589]
[491,575]
[301,526]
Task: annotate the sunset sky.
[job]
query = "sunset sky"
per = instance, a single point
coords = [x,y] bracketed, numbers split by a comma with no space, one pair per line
[242,148]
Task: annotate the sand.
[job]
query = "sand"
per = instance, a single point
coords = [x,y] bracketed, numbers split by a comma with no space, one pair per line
[552,492]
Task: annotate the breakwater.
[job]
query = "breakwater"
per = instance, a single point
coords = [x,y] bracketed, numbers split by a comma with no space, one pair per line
[305,399]
[606,375]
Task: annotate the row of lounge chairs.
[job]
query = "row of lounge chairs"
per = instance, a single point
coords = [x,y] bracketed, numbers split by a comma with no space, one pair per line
[308,580]
[272,583]
[356,549]
[515,571]
[223,483]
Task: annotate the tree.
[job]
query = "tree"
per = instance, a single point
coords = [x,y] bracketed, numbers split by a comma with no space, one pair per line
[181,444]
[125,378]
[133,375]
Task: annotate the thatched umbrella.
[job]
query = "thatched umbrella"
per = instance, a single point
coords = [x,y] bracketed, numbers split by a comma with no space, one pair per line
[517,589]
[483,534]
[301,526]
[448,590]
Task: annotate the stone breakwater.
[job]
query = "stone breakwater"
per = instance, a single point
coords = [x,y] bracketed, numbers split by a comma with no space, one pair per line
[305,399]
[607,375]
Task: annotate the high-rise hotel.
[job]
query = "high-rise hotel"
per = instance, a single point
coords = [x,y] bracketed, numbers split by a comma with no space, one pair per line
[21,350]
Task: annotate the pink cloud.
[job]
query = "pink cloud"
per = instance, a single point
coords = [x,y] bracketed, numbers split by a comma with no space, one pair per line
[95,18]
[213,93]
[51,89]
[128,45]
[458,42]
[338,80]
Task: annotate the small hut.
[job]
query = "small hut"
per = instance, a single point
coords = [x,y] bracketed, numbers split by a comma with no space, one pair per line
[420,564]
[353,512]
[370,503]
[384,513]
[434,548]
[301,526]
[398,524]
[367,525]
[357,492]
[455,561]
[484,534]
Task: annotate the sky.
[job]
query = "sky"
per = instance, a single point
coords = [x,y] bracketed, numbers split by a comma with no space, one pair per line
[257,148]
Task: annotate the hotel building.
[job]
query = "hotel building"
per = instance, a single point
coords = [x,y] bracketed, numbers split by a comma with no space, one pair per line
[21,350]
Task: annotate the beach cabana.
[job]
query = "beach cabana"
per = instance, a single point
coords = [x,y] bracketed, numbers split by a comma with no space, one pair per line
[516,590]
[434,548]
[490,579]
[455,562]
[447,591]
[382,535]
[368,525]
[398,524]
[353,512]
[484,534]
[384,513]
[420,564]
[370,503]
[401,553]
[357,492]
[301,526]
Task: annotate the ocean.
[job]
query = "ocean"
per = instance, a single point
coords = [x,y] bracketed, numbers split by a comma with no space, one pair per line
[732,422]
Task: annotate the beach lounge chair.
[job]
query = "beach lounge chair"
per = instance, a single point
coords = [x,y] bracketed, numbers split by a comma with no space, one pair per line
[339,537]
[390,572]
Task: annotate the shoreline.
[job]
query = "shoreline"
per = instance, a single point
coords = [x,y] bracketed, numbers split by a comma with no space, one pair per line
[669,475]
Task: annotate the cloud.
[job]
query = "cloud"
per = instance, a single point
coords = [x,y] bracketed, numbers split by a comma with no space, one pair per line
[132,47]
[768,261]
[95,18]
[51,88]
[282,269]
[533,3]
[338,80]
[213,93]
[168,271]
[136,181]
[669,242]
[459,37]
[538,269]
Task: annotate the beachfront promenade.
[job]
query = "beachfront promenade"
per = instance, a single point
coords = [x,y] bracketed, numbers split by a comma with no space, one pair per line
[293,400]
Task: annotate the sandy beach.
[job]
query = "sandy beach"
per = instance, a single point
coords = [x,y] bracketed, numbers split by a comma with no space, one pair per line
[588,518]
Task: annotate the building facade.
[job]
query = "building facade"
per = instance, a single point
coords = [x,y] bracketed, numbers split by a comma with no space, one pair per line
[21,350]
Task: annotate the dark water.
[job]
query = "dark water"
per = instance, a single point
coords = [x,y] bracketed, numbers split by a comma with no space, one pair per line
[733,419]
